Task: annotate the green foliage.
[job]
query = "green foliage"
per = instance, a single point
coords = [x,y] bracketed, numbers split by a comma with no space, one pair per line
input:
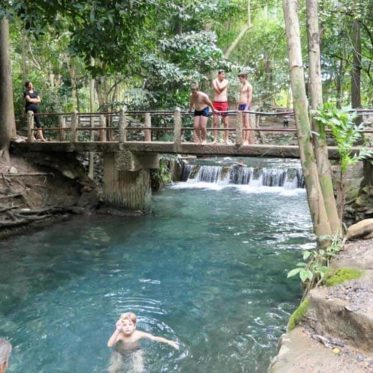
[162,175]
[159,46]
[345,132]
[298,314]
[313,269]
[336,19]
[341,275]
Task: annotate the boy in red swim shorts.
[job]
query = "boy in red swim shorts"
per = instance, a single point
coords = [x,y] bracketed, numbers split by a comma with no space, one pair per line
[220,85]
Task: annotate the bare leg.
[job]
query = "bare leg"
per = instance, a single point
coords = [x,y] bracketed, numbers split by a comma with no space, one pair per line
[138,361]
[226,127]
[196,132]
[203,123]
[116,363]
[216,126]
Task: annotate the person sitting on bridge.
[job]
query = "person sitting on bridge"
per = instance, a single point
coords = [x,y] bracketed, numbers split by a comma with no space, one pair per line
[32,104]
[5,351]
[125,341]
[201,103]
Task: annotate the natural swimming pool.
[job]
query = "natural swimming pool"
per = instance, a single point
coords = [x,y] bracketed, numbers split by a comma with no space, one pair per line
[207,268]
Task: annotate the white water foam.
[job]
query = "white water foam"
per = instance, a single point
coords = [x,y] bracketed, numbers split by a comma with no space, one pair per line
[255,188]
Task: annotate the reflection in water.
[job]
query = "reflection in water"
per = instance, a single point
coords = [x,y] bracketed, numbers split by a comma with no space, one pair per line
[208,269]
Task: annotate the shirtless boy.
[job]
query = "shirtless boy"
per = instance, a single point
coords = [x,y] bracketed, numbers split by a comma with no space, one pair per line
[5,351]
[125,339]
[246,95]
[201,103]
[220,85]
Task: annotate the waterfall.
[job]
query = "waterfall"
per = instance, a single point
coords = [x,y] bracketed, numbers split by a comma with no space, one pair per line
[289,178]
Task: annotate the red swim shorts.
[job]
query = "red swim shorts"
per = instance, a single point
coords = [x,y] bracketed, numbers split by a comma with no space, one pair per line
[221,106]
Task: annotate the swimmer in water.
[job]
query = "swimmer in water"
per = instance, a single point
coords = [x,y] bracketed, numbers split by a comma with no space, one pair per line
[125,339]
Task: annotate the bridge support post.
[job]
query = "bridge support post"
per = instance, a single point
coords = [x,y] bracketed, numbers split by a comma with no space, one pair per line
[122,127]
[62,125]
[102,132]
[127,180]
[74,126]
[177,129]
[239,133]
[30,126]
[148,124]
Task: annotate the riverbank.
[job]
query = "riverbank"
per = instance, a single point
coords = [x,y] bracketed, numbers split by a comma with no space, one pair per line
[334,326]
[39,189]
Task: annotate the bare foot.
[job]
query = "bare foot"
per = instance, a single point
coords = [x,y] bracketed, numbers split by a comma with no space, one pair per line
[204,142]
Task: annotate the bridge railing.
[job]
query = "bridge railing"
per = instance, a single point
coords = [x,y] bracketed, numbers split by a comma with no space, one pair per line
[150,126]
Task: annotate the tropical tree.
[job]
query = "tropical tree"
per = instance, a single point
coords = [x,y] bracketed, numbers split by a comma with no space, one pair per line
[7,122]
[309,166]
[320,141]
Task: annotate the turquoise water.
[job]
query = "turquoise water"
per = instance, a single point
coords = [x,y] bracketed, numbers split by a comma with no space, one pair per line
[207,268]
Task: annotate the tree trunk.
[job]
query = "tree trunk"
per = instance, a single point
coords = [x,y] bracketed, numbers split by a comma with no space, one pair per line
[356,68]
[321,147]
[356,65]
[308,161]
[25,48]
[7,120]
[91,109]
[102,91]
[246,27]
[74,91]
[339,83]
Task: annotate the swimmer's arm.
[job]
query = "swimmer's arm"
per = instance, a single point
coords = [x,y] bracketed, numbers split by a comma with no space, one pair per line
[159,339]
[114,338]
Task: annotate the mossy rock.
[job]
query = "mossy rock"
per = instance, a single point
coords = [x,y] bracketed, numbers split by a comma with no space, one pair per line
[298,314]
[341,275]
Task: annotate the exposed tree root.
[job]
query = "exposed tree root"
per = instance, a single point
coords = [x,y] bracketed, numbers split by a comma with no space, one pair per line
[20,216]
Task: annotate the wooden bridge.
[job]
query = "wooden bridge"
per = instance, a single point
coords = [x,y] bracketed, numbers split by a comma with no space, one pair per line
[132,141]
[161,132]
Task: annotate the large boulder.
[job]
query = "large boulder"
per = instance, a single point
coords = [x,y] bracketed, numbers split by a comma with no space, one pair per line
[361,229]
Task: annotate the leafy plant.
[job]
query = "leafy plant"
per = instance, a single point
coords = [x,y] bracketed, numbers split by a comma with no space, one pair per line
[345,133]
[162,175]
[313,269]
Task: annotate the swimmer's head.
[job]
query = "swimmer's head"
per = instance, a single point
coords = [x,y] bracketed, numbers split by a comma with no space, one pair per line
[127,323]
[128,316]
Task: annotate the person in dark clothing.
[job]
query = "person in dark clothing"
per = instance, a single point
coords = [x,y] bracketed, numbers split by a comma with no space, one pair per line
[32,104]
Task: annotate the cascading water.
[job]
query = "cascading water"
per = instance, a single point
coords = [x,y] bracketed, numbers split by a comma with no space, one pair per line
[240,174]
